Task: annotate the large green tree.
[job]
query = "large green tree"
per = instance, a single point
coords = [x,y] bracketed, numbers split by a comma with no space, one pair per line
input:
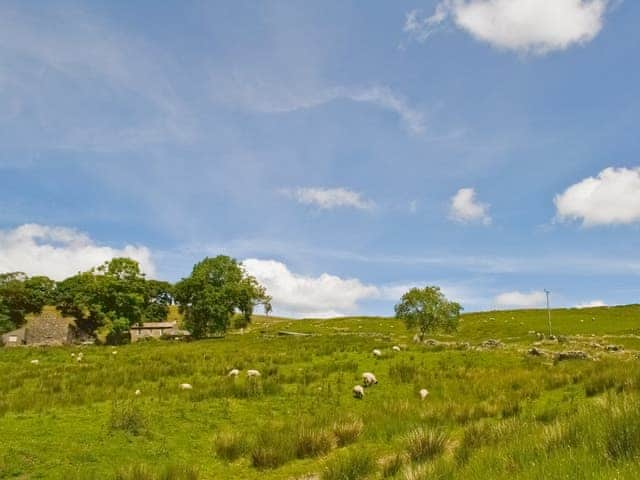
[428,310]
[107,299]
[217,289]
[21,295]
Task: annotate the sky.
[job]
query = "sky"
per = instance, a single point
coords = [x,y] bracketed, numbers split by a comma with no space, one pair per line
[345,151]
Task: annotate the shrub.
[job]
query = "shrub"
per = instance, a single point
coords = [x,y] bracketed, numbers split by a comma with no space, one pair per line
[229,445]
[126,415]
[349,465]
[425,444]
[347,431]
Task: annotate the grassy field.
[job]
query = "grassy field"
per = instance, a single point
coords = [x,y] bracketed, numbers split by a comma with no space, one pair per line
[491,412]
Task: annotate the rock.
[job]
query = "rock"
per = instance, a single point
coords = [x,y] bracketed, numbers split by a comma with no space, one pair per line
[535,352]
[614,348]
[491,343]
[571,355]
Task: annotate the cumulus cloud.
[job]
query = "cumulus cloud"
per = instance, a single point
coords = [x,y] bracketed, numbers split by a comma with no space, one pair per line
[613,197]
[330,198]
[60,252]
[517,299]
[525,26]
[591,304]
[465,208]
[308,296]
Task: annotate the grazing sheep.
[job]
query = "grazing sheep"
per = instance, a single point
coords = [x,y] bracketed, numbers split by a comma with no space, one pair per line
[115,352]
[395,348]
[358,391]
[138,392]
[253,373]
[423,393]
[73,354]
[186,386]
[233,373]
[376,353]
[35,362]
[369,379]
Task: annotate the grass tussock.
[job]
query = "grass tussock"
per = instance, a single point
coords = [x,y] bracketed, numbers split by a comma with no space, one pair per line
[171,472]
[349,465]
[230,445]
[347,431]
[422,444]
[127,416]
[313,442]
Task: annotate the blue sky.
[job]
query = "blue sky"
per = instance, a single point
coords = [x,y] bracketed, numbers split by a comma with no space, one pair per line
[345,150]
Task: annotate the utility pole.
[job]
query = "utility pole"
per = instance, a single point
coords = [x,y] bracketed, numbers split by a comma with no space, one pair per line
[548,310]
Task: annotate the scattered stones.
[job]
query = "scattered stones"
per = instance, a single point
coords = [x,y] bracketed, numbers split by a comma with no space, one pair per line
[491,343]
[614,348]
[571,355]
[535,352]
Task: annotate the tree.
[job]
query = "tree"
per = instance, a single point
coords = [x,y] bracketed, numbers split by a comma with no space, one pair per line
[428,310]
[21,295]
[107,299]
[216,289]
[159,296]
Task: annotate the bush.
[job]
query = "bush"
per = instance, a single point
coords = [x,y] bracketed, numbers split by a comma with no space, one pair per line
[425,444]
[229,445]
[347,431]
[349,465]
[126,415]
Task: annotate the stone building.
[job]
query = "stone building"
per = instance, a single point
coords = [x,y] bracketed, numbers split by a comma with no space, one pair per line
[50,328]
[150,330]
[14,338]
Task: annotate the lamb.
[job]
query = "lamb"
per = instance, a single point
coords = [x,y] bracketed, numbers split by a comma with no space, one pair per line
[233,373]
[358,392]
[369,379]
[253,373]
[186,386]
[376,353]
[395,348]
[423,393]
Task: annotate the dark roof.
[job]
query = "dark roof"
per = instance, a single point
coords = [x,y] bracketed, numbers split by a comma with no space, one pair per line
[155,325]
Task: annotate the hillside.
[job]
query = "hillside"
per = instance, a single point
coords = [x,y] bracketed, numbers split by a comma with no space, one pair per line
[490,413]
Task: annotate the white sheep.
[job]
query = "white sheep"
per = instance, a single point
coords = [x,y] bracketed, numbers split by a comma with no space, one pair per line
[395,348]
[73,354]
[138,392]
[376,353]
[358,391]
[186,386]
[253,373]
[35,362]
[369,379]
[233,373]
[115,352]
[423,393]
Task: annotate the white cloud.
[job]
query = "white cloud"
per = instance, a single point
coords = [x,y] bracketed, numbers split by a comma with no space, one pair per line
[306,296]
[517,299]
[466,209]
[592,303]
[329,198]
[613,197]
[525,26]
[60,252]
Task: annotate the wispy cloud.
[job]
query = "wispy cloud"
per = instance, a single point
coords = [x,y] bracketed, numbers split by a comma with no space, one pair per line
[329,198]
[518,299]
[465,208]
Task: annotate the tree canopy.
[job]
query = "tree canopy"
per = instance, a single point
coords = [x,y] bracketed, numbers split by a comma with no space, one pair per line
[217,289]
[428,310]
[21,295]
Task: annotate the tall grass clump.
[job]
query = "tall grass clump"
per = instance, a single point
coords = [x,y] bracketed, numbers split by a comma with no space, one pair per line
[273,447]
[347,430]
[229,445]
[127,416]
[392,465]
[622,435]
[425,444]
[313,442]
[171,472]
[349,465]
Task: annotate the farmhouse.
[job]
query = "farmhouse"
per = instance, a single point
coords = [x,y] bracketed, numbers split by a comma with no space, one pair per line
[153,330]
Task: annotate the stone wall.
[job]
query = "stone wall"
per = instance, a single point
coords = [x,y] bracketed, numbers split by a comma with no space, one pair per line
[49,329]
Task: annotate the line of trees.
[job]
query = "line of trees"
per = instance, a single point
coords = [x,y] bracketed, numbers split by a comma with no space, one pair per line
[108,299]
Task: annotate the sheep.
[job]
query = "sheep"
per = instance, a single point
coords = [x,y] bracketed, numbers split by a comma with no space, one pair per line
[358,391]
[423,393]
[253,373]
[115,352]
[73,355]
[369,379]
[35,362]
[376,353]
[395,348]
[138,392]
[233,373]
[186,386]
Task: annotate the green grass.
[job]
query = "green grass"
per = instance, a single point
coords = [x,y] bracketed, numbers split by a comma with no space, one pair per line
[491,413]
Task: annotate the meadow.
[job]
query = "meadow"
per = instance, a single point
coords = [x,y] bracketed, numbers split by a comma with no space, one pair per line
[492,412]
